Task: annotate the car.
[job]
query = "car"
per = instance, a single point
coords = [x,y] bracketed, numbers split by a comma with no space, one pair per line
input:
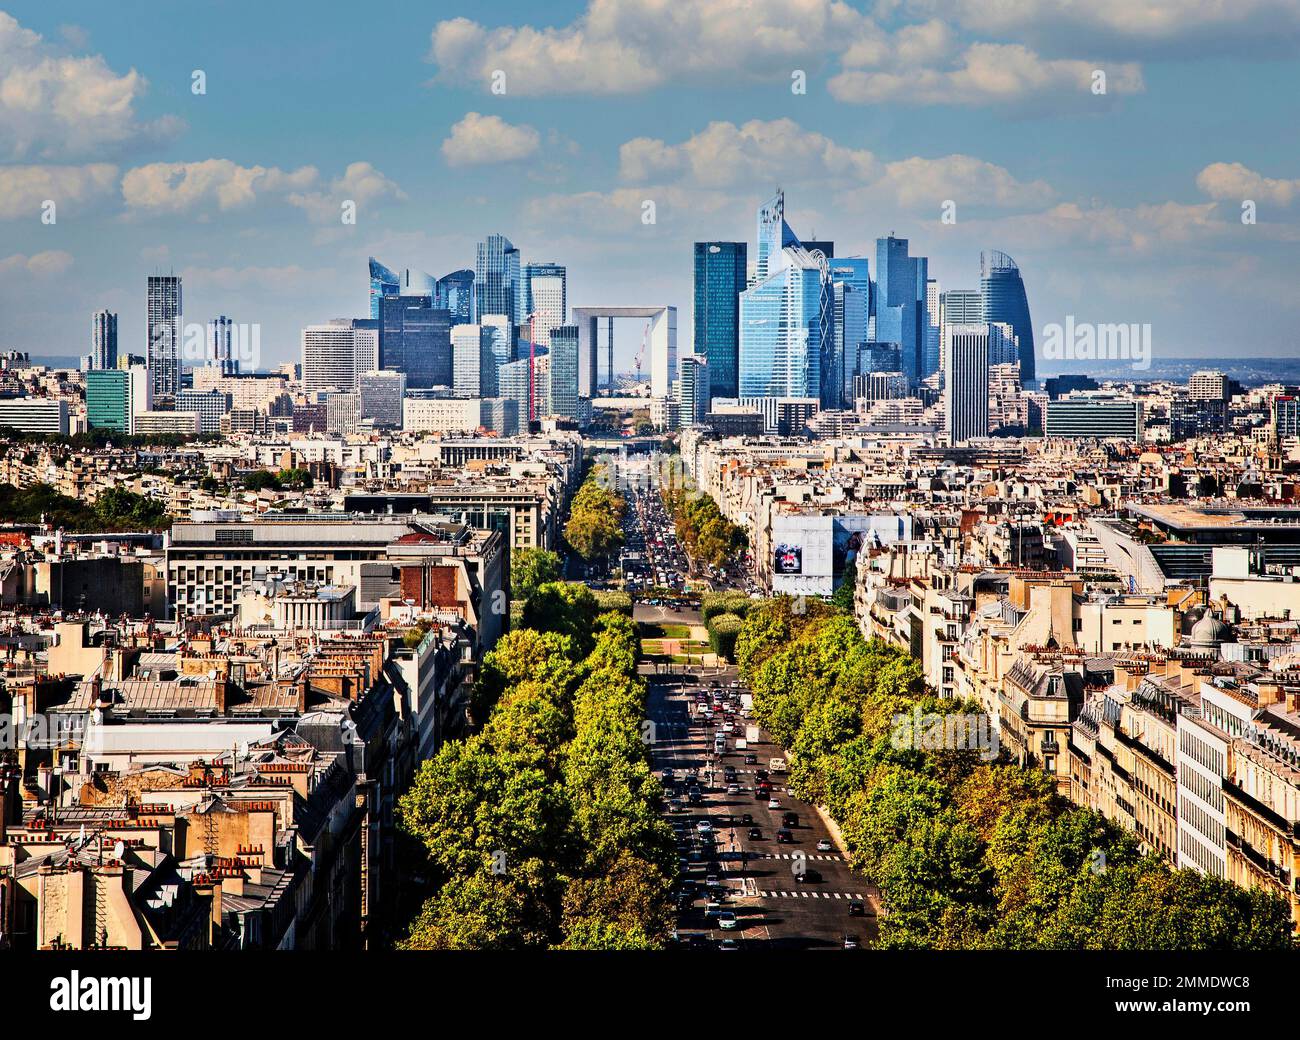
[728,944]
[746,819]
[784,836]
[733,789]
[761,775]
[857,908]
[824,845]
[806,876]
[773,803]
[666,775]
[755,834]
[790,819]
[851,942]
[712,881]
[727,921]
[675,805]
[712,909]
[704,827]
[694,795]
[751,760]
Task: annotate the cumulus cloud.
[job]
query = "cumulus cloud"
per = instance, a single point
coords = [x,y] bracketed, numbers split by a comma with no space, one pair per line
[984,74]
[1235,182]
[478,139]
[361,183]
[23,189]
[54,106]
[50,262]
[180,187]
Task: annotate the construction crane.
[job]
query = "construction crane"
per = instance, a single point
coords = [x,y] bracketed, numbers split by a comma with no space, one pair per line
[645,340]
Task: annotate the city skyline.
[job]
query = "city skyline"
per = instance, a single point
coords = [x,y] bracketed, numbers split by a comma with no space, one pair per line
[1119,213]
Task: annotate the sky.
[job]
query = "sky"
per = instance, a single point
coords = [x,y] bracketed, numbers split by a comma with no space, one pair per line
[1166,193]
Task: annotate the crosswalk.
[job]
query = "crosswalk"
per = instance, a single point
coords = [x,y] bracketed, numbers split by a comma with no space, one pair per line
[796,855]
[810,895]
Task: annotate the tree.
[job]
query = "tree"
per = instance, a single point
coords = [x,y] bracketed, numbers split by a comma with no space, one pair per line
[530,568]
[262,480]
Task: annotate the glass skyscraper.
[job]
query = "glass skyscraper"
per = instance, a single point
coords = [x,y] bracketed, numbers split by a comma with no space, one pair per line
[108,400]
[774,235]
[1005,300]
[103,340]
[851,287]
[415,339]
[787,329]
[163,333]
[901,311]
[544,292]
[564,396]
[455,292]
[720,271]
[496,278]
[382,283]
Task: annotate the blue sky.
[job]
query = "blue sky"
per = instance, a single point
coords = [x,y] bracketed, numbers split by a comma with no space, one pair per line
[1122,207]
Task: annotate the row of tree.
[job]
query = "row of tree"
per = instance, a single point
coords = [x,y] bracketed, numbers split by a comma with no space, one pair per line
[706,535]
[967,852]
[543,829]
[116,509]
[595,525]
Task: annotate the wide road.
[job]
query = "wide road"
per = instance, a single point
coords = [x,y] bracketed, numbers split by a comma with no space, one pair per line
[757,876]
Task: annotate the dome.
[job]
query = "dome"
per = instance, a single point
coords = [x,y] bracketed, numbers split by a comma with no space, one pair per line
[1209,632]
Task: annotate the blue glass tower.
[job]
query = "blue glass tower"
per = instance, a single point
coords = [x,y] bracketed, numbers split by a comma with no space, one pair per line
[787,330]
[774,235]
[496,278]
[415,339]
[901,311]
[455,292]
[382,283]
[720,269]
[851,287]
[1004,300]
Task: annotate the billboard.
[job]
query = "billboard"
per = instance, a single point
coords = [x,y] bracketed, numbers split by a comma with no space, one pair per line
[788,559]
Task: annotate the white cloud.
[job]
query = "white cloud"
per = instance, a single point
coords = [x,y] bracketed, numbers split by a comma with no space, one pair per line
[984,74]
[479,139]
[181,187]
[23,189]
[1235,182]
[50,262]
[361,183]
[54,106]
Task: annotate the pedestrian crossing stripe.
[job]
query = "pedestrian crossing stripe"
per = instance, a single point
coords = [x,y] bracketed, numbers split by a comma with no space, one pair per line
[811,895]
[807,856]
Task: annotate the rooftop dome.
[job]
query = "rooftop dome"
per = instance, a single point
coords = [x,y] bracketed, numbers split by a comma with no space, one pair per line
[1210,632]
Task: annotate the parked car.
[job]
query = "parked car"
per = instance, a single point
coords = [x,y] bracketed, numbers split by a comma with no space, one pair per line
[824,845]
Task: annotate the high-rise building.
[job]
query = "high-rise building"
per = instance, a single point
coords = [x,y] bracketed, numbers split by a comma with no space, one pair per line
[933,336]
[563,399]
[103,340]
[545,296]
[383,282]
[336,353]
[474,365]
[851,289]
[693,395]
[496,278]
[415,339]
[497,335]
[720,269]
[515,379]
[114,396]
[500,415]
[455,292]
[417,283]
[379,398]
[966,382]
[342,411]
[163,333]
[1093,415]
[208,405]
[786,328]
[1209,385]
[1286,416]
[1004,300]
[961,307]
[901,311]
[774,235]
[221,346]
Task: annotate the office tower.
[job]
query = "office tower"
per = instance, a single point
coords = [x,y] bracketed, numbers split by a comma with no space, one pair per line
[786,328]
[1286,416]
[221,346]
[1087,415]
[103,340]
[774,235]
[961,307]
[115,396]
[901,311]
[499,415]
[825,247]
[163,333]
[1209,385]
[564,394]
[851,291]
[455,292]
[474,365]
[1004,298]
[379,398]
[342,411]
[1002,344]
[966,382]
[931,357]
[693,394]
[497,334]
[382,283]
[1008,404]
[544,294]
[514,379]
[496,278]
[417,283]
[415,339]
[719,281]
[336,353]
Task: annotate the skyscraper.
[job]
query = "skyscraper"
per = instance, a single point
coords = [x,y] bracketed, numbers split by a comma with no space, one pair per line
[966,382]
[382,283]
[564,396]
[720,269]
[380,396]
[335,354]
[931,351]
[774,235]
[496,278]
[103,340]
[163,333]
[455,293]
[544,294]
[851,289]
[415,339]
[474,364]
[901,312]
[1003,292]
[693,396]
[786,328]
[221,347]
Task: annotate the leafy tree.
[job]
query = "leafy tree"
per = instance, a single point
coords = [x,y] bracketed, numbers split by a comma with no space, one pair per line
[262,480]
[530,568]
